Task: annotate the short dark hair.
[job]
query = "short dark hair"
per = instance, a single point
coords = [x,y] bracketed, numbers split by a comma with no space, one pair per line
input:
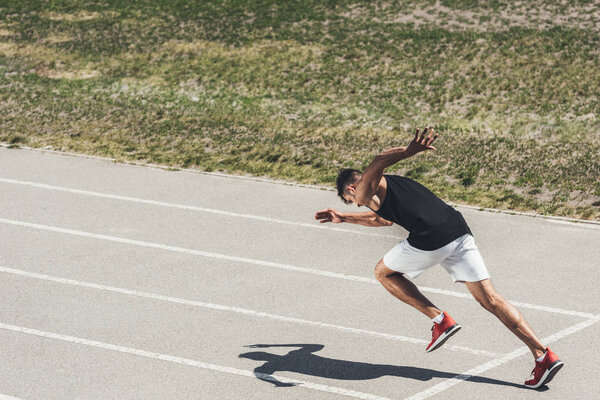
[346,176]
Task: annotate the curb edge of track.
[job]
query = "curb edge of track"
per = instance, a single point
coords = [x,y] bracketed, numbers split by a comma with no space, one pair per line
[281,182]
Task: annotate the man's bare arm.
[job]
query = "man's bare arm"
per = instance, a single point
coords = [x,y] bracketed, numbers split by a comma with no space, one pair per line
[368,218]
[367,186]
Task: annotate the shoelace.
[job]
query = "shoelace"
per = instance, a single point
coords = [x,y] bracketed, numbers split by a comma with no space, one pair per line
[534,368]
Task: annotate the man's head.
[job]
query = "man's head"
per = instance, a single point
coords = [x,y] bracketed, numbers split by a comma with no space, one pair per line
[346,184]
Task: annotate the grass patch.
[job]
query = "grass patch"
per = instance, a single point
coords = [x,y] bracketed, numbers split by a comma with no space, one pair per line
[296,90]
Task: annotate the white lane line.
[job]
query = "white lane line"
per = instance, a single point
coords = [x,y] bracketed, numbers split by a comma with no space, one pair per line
[238,310]
[5,397]
[519,304]
[315,225]
[270,264]
[185,250]
[440,387]
[189,362]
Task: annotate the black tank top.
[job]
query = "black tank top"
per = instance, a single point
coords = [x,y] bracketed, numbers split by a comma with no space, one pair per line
[431,223]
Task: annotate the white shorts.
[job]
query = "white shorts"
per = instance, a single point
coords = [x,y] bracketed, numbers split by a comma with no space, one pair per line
[460,258]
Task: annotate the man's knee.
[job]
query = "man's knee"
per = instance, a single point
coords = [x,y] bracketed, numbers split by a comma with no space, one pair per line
[382,272]
[489,301]
[486,295]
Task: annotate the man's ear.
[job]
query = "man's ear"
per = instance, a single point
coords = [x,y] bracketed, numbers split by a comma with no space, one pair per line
[351,188]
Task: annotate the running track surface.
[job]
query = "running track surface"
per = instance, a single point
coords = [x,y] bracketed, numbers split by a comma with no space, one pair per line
[130,282]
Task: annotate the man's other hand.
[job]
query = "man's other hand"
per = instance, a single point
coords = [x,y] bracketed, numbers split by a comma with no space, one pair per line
[329,215]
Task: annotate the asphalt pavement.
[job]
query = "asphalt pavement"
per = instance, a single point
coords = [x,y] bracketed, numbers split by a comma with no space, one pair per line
[132,282]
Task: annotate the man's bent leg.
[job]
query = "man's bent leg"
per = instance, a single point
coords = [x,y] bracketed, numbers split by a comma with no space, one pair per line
[491,300]
[405,290]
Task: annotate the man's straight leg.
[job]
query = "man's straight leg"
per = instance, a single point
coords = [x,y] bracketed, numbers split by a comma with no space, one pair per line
[491,300]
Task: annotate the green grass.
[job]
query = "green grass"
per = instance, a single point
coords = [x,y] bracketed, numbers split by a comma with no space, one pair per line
[298,89]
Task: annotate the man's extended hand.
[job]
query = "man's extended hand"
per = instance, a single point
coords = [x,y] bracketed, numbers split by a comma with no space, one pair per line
[422,143]
[329,215]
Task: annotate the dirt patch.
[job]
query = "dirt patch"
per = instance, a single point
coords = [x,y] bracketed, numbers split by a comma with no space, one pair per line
[64,65]
[70,75]
[35,51]
[256,49]
[75,17]
[531,14]
[57,38]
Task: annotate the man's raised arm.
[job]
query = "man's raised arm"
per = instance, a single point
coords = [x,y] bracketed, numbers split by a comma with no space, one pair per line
[367,186]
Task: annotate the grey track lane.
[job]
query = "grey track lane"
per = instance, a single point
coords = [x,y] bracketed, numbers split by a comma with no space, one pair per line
[531,260]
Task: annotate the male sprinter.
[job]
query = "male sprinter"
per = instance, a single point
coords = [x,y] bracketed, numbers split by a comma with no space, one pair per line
[438,234]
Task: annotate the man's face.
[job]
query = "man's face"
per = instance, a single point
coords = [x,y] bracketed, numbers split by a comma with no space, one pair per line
[350,195]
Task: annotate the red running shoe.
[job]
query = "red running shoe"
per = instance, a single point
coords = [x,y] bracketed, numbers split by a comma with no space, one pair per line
[545,370]
[442,332]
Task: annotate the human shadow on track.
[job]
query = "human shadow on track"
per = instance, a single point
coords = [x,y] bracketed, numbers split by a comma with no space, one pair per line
[303,361]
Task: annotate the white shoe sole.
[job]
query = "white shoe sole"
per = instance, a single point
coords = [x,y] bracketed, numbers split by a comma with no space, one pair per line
[443,337]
